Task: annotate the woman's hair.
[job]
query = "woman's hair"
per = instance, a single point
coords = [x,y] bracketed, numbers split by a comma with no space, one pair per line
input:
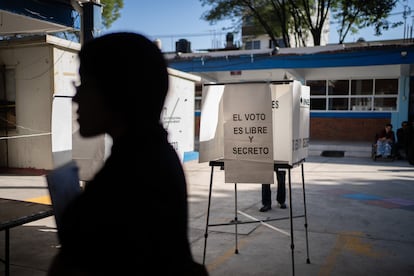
[130,70]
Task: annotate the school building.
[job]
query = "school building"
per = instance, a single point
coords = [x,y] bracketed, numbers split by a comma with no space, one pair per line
[356,88]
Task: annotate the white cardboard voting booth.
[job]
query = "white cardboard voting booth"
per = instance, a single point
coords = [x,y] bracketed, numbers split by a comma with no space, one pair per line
[252,130]
[252,126]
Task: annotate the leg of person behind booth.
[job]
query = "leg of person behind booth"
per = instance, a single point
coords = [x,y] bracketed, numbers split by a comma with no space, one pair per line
[281,189]
[281,193]
[266,198]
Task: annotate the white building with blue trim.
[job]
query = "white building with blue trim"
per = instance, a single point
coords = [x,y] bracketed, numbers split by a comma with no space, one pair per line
[356,88]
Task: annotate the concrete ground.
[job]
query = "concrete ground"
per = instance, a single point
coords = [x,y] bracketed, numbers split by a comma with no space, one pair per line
[360,216]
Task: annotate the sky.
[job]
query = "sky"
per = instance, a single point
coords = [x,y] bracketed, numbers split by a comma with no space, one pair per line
[171,20]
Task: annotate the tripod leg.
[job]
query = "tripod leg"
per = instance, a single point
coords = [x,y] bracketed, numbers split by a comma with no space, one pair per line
[306,217]
[236,221]
[208,214]
[292,245]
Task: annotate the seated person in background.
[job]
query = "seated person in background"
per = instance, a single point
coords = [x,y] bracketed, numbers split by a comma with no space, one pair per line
[409,139]
[385,140]
[280,196]
[402,140]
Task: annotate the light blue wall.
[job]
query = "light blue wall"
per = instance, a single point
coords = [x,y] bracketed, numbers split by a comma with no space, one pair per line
[403,99]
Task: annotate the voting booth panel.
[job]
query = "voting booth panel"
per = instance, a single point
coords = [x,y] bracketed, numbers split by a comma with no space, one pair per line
[211,124]
[254,125]
[178,115]
[248,143]
[304,123]
[291,108]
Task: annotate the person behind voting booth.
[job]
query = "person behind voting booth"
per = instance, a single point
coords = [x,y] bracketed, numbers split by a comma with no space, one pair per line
[403,140]
[127,221]
[385,140]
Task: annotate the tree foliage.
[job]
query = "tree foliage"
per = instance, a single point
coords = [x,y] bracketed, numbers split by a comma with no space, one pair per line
[111,11]
[352,15]
[282,18]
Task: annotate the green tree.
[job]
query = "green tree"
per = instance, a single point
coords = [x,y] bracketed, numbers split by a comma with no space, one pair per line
[254,13]
[111,11]
[281,18]
[277,18]
[352,15]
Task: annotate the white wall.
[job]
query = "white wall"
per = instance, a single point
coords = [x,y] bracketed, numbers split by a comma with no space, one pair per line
[35,66]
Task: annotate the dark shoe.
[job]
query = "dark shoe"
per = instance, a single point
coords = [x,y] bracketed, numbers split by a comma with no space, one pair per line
[282,206]
[265,208]
[378,155]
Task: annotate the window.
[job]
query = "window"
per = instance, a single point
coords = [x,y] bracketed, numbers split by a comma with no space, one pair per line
[386,86]
[362,87]
[386,91]
[317,88]
[338,87]
[354,94]
[338,103]
[7,100]
[250,45]
[361,94]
